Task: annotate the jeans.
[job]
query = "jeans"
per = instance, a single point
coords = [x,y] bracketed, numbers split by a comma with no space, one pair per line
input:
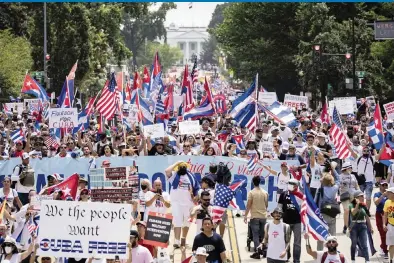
[270,260]
[367,188]
[382,233]
[296,230]
[331,222]
[359,234]
[257,227]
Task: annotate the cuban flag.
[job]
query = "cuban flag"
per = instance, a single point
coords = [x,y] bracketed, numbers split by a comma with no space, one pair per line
[83,122]
[127,92]
[66,98]
[311,218]
[243,101]
[32,87]
[220,103]
[17,135]
[252,163]
[205,109]
[146,82]
[238,140]
[155,75]
[144,114]
[6,109]
[247,117]
[280,113]
[375,129]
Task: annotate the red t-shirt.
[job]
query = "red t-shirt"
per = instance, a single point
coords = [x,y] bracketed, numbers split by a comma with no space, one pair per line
[149,247]
[17,153]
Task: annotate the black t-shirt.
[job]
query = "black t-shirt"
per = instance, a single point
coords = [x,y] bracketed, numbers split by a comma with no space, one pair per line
[290,212]
[325,147]
[214,246]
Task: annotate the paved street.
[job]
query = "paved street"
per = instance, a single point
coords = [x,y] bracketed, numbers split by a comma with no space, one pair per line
[236,236]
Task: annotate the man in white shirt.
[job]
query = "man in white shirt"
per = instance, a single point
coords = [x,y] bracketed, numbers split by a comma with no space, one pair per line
[156,200]
[139,253]
[329,256]
[365,165]
[285,132]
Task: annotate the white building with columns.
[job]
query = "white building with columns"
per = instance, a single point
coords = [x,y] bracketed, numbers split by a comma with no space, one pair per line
[188,38]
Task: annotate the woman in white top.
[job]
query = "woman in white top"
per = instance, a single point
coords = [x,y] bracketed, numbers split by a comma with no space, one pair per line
[9,194]
[299,143]
[316,173]
[145,188]
[283,177]
[9,251]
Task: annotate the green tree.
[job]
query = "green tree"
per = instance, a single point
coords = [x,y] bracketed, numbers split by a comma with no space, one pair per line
[145,27]
[15,59]
[169,56]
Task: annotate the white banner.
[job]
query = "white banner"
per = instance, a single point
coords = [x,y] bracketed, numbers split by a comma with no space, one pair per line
[354,101]
[15,107]
[294,101]
[189,127]
[63,118]
[154,130]
[84,230]
[343,106]
[389,108]
[268,97]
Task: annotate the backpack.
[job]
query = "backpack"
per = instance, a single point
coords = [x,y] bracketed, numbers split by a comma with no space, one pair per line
[223,174]
[325,254]
[286,230]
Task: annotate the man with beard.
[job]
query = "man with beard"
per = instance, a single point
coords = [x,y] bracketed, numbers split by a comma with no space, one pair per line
[331,255]
[52,180]
[139,253]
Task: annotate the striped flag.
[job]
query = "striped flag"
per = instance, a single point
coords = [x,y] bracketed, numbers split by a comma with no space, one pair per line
[17,135]
[252,163]
[223,196]
[194,73]
[220,103]
[106,104]
[339,137]
[51,142]
[31,226]
[89,108]
[188,101]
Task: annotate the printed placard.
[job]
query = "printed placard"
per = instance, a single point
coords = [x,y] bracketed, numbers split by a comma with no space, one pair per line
[267,97]
[354,101]
[389,109]
[15,107]
[84,230]
[189,127]
[32,104]
[343,106]
[63,117]
[158,229]
[154,130]
[266,147]
[297,102]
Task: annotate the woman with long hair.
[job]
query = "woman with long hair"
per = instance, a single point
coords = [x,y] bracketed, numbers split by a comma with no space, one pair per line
[107,151]
[9,194]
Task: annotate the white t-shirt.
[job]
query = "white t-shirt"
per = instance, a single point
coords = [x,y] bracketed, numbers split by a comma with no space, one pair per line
[391,170]
[316,173]
[16,258]
[181,195]
[283,180]
[141,197]
[10,197]
[285,134]
[299,146]
[157,206]
[141,254]
[276,241]
[330,258]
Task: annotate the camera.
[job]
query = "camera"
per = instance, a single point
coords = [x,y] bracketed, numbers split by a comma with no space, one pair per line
[159,191]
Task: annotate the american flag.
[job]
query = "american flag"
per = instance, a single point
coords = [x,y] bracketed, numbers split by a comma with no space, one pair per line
[338,136]
[51,142]
[223,195]
[31,225]
[90,106]
[194,73]
[106,104]
[252,163]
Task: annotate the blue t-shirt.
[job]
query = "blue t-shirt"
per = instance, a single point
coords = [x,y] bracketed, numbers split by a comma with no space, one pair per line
[379,207]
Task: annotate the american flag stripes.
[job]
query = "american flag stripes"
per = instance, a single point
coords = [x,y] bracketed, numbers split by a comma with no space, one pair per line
[106,104]
[51,142]
[188,101]
[339,137]
[194,73]
[31,226]
[223,195]
[90,106]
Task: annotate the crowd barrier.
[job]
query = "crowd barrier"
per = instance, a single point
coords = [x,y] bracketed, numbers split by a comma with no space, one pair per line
[152,167]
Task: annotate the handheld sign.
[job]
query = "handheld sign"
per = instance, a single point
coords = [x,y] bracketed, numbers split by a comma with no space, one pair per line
[158,229]
[63,118]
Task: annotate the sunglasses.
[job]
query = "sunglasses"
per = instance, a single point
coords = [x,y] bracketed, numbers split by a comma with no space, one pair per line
[186,146]
[331,242]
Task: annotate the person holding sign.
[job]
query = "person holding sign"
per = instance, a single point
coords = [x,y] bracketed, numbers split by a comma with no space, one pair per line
[156,200]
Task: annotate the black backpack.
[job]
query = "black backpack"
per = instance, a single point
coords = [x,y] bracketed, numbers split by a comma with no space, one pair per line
[223,174]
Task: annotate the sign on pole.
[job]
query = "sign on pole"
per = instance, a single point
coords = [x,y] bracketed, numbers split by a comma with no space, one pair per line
[15,107]
[84,230]
[384,29]
[297,102]
[267,97]
[343,106]
[63,117]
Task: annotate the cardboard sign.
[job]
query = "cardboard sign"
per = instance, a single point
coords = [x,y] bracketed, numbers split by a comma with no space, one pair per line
[389,109]
[354,101]
[15,107]
[84,230]
[154,130]
[343,106]
[266,147]
[297,102]
[132,116]
[158,229]
[267,97]
[32,104]
[189,127]
[63,117]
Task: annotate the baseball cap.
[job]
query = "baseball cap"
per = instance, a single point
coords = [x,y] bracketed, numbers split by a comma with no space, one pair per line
[294,181]
[383,182]
[391,190]
[332,238]
[320,134]
[201,251]
[346,165]
[141,223]
[358,193]
[25,156]
[133,233]
[106,162]
[285,146]
[55,176]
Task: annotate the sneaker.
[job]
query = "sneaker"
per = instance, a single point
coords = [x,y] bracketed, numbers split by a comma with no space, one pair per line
[255,255]
[177,244]
[386,256]
[344,230]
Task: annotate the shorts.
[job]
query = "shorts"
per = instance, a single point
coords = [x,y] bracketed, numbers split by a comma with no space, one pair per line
[367,188]
[181,215]
[390,235]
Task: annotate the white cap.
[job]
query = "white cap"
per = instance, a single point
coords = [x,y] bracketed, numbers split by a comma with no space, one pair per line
[391,190]
[25,156]
[285,146]
[201,251]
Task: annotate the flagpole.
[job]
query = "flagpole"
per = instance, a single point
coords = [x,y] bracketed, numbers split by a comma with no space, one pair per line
[75,94]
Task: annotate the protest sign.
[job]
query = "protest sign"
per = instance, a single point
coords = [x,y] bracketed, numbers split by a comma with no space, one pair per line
[32,104]
[353,99]
[81,230]
[158,229]
[343,106]
[389,109]
[267,97]
[154,130]
[297,102]
[15,107]
[36,200]
[63,117]
[189,127]
[266,147]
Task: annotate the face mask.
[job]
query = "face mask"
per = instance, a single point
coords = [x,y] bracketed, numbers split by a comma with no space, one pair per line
[8,250]
[144,187]
[366,154]
[332,249]
[290,187]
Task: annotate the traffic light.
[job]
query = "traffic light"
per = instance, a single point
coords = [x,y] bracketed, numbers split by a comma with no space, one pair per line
[348,58]
[48,65]
[317,53]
